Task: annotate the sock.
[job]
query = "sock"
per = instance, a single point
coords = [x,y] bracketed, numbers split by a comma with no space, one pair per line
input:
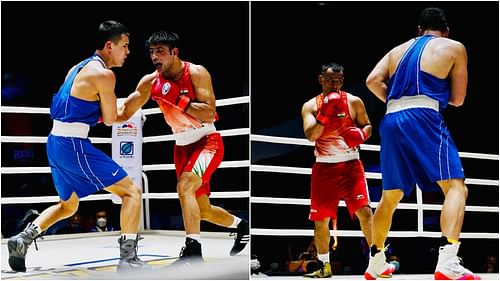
[196,237]
[126,236]
[374,250]
[324,257]
[235,223]
[445,241]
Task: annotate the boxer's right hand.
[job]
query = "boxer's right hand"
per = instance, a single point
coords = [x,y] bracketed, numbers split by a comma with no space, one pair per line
[170,93]
[332,107]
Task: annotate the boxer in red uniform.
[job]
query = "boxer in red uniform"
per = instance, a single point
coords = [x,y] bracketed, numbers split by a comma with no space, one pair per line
[184,93]
[337,122]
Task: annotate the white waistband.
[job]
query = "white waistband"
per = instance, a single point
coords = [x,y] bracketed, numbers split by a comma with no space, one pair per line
[73,129]
[338,158]
[193,135]
[420,101]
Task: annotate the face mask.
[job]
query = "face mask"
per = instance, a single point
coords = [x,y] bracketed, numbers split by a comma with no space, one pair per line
[101,222]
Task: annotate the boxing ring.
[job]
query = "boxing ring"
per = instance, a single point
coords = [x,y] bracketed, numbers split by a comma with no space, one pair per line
[95,255]
[267,200]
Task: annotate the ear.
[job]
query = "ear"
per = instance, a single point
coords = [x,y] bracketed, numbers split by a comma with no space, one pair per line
[175,51]
[108,45]
[419,30]
[447,32]
[320,79]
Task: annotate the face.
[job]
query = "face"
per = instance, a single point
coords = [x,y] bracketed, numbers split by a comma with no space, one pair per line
[331,81]
[119,51]
[101,214]
[162,57]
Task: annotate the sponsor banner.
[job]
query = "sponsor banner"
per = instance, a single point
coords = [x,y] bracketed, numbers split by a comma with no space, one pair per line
[127,147]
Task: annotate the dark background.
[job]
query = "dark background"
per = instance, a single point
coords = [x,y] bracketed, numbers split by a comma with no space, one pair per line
[289,43]
[42,40]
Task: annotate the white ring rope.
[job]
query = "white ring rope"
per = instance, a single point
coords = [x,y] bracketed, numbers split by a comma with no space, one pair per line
[153,167]
[358,233]
[95,197]
[405,206]
[170,137]
[419,206]
[369,175]
[368,147]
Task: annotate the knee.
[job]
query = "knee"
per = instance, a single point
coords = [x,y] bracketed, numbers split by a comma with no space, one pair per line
[133,192]
[364,214]
[68,208]
[186,187]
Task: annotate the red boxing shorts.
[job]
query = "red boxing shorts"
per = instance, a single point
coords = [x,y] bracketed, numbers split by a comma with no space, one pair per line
[202,158]
[331,182]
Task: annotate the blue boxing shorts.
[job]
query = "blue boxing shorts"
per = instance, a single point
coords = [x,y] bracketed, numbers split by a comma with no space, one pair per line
[417,148]
[77,166]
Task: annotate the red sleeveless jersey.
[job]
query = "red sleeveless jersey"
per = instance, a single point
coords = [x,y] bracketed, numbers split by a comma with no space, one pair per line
[330,143]
[178,120]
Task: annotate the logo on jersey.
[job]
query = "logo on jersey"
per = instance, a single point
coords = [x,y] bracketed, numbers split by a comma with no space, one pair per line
[166,87]
[325,99]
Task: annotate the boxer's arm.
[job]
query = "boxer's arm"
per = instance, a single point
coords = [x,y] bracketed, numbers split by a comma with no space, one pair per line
[354,136]
[312,129]
[203,107]
[376,80]
[137,99]
[458,76]
[105,81]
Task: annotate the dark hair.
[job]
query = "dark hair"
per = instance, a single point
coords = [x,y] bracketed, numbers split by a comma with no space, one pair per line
[433,19]
[335,67]
[110,31]
[170,39]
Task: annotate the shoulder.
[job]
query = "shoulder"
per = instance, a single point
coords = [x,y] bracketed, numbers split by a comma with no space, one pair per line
[96,72]
[198,70]
[310,105]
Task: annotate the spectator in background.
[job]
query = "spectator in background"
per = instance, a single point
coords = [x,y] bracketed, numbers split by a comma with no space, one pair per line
[491,265]
[101,225]
[74,226]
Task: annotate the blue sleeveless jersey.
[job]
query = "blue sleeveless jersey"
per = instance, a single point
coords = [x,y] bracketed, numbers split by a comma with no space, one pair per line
[66,108]
[76,164]
[410,80]
[416,147]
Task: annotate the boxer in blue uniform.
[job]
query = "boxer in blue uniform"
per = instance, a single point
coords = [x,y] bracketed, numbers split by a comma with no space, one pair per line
[78,168]
[417,80]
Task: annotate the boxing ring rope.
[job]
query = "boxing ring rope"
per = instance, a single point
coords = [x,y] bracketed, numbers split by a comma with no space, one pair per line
[419,205]
[152,167]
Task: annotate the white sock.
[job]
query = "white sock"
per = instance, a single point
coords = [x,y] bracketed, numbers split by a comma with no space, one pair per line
[235,223]
[324,257]
[196,237]
[127,236]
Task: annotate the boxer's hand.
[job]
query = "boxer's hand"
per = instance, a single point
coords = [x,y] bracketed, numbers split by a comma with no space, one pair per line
[354,136]
[332,107]
[171,94]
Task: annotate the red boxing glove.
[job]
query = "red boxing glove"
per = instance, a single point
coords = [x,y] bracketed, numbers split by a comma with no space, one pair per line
[171,94]
[332,106]
[354,136]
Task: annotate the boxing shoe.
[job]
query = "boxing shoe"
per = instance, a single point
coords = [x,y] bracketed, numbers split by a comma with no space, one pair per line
[242,237]
[18,247]
[325,271]
[377,266]
[128,256]
[449,267]
[190,255]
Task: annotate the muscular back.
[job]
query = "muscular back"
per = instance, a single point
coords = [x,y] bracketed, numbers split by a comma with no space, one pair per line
[442,58]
